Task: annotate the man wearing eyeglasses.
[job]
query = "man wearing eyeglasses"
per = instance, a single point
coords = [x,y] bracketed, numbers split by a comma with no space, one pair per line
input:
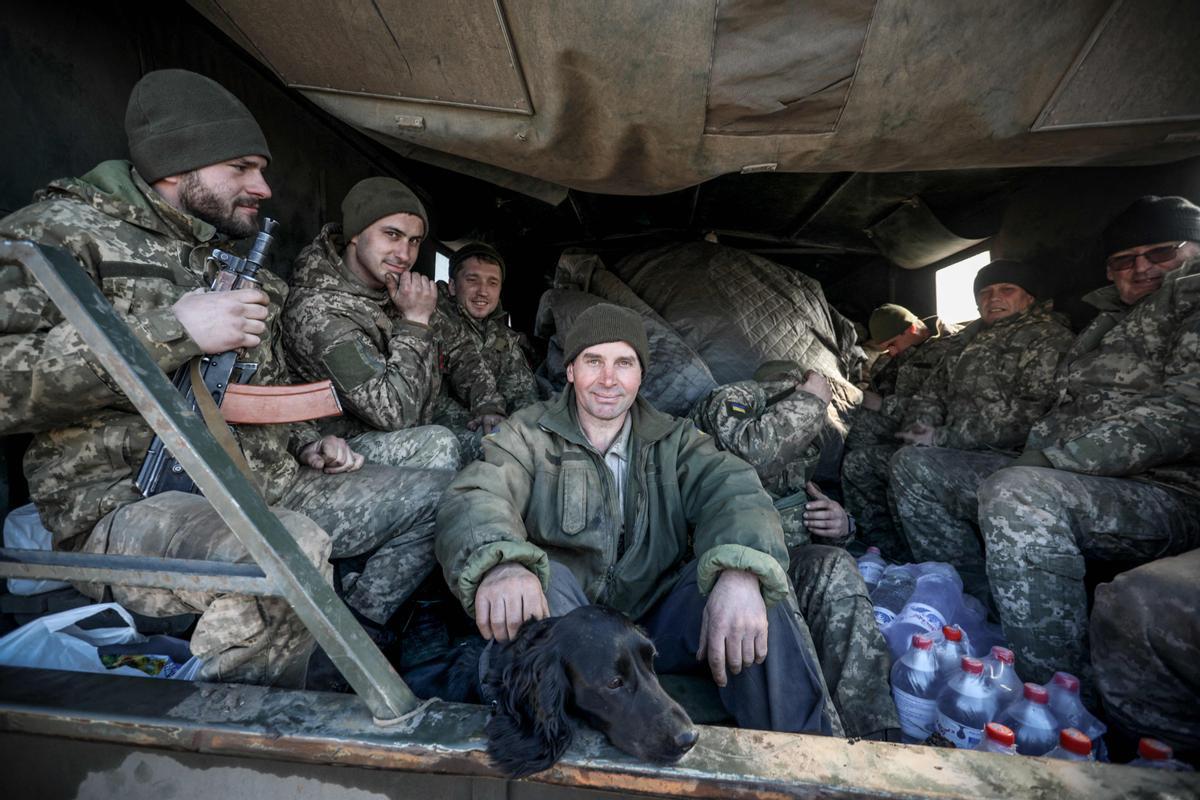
[1112,471]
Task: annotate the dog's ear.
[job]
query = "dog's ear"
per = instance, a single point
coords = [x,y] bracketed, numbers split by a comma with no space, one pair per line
[530,730]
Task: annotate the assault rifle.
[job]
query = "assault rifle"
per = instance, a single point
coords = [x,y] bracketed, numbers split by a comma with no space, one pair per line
[223,376]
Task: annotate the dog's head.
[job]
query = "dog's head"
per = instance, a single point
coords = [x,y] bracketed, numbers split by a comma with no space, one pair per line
[592,662]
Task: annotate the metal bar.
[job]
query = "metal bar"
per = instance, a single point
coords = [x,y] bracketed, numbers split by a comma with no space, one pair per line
[117,570]
[259,531]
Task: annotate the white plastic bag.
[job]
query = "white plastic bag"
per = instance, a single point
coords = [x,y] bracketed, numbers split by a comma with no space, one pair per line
[23,530]
[57,642]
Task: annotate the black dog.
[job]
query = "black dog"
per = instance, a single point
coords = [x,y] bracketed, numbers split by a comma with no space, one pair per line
[592,663]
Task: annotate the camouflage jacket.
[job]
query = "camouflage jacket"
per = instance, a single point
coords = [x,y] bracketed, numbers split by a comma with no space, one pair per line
[775,436]
[1128,391]
[143,254]
[387,370]
[989,391]
[501,351]
[904,374]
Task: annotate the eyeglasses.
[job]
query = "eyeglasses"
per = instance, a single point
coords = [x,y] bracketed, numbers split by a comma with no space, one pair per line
[1159,255]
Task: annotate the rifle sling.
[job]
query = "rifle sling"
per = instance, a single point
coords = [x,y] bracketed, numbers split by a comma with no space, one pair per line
[217,425]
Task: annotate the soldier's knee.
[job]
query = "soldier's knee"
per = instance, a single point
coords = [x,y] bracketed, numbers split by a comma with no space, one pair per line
[314,541]
[833,567]
[444,445]
[906,464]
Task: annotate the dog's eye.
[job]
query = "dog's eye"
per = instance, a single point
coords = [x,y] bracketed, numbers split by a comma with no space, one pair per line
[616,683]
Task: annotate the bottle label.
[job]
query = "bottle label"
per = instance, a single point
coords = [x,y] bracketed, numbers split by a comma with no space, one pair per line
[916,714]
[884,616]
[964,738]
[871,571]
[920,614]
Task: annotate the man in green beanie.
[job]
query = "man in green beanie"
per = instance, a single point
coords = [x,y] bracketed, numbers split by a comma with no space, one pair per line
[596,497]
[471,303]
[143,232]
[1111,471]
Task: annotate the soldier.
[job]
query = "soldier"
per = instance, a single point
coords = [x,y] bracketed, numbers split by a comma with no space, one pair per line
[907,343]
[771,422]
[471,302]
[143,233]
[360,316]
[1110,472]
[984,394]
[596,497]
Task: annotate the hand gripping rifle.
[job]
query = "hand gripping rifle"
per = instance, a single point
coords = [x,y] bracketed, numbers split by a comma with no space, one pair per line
[223,377]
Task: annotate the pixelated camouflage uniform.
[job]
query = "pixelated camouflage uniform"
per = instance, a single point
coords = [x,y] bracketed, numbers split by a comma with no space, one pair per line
[387,370]
[1145,635]
[903,374]
[988,387]
[1122,438]
[88,439]
[501,353]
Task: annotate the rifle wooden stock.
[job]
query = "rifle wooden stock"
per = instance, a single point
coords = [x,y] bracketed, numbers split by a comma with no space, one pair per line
[245,404]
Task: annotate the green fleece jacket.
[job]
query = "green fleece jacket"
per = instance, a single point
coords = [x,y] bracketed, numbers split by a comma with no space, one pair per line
[543,492]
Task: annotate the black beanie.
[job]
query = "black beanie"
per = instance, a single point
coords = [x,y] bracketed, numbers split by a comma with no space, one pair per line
[473,250]
[373,199]
[1151,220]
[605,322]
[1016,272]
[178,121]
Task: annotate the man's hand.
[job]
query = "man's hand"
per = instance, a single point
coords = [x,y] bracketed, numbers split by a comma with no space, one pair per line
[331,455]
[919,434]
[488,422]
[221,321]
[415,296]
[733,632]
[824,517]
[871,401]
[507,596]
[817,385]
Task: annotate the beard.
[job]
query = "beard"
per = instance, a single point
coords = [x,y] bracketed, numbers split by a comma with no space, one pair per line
[203,203]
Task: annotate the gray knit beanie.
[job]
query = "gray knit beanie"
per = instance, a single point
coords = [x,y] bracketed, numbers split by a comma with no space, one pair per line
[373,199]
[178,121]
[1015,272]
[1150,220]
[605,322]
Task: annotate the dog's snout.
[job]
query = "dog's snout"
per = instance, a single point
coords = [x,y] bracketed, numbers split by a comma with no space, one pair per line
[685,740]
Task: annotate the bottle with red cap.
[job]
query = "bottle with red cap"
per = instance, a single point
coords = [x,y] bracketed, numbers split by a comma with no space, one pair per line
[965,705]
[1032,721]
[998,738]
[1000,671]
[871,565]
[1158,755]
[914,688]
[1073,745]
[1068,708]
[949,651]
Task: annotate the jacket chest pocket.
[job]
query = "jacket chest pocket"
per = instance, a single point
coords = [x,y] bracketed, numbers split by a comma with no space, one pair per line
[573,492]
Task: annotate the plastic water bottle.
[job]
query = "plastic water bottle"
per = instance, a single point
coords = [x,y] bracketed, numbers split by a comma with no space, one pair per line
[979,635]
[1032,721]
[892,593]
[998,738]
[934,602]
[872,566]
[1073,745]
[914,688]
[949,652]
[1000,671]
[1068,708]
[1158,755]
[965,706]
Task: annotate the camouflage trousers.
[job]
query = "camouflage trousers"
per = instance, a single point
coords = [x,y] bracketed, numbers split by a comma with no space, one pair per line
[1145,633]
[380,517]
[854,660]
[867,497]
[453,416]
[424,447]
[240,638]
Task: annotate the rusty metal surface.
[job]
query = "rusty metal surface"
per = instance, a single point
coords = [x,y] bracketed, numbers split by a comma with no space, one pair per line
[166,573]
[238,504]
[446,739]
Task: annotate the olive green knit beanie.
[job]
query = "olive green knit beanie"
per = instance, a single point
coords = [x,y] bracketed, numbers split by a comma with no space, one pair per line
[178,121]
[476,250]
[777,370]
[372,199]
[889,321]
[605,322]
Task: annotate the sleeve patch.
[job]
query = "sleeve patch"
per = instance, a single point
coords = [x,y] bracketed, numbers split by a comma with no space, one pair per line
[350,364]
[735,409]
